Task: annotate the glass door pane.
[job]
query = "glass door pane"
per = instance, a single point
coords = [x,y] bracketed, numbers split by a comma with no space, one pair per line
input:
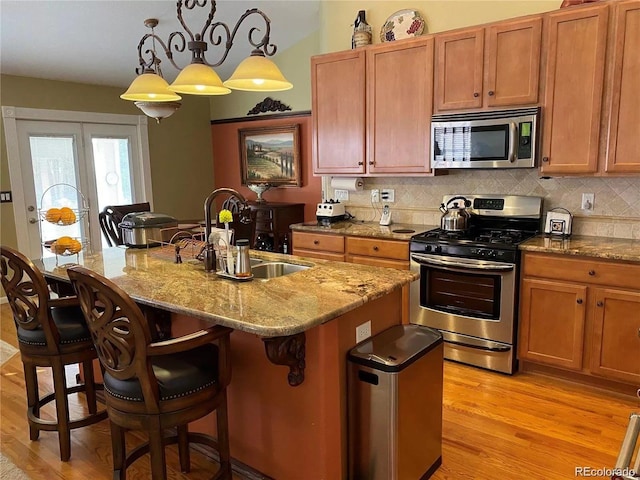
[56,181]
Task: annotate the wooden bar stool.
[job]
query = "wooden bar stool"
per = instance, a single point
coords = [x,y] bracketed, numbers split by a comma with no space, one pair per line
[157,386]
[51,333]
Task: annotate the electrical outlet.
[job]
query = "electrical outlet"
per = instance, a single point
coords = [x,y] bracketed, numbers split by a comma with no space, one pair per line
[388,195]
[342,195]
[588,201]
[375,195]
[363,331]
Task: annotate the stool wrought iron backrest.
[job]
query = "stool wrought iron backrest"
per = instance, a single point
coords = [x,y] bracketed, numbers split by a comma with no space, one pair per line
[111,217]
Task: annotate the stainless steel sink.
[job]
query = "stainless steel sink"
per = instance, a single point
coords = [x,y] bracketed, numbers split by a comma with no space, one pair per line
[268,270]
[255,261]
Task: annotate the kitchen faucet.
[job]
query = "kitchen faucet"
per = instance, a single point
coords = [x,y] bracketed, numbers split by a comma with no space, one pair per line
[209,253]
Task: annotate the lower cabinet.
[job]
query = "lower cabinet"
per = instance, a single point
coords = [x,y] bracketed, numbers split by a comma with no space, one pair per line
[362,250]
[581,314]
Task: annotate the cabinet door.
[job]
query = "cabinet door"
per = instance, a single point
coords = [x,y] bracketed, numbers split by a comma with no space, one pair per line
[552,317]
[459,63]
[623,153]
[615,347]
[338,112]
[576,46]
[400,104]
[512,56]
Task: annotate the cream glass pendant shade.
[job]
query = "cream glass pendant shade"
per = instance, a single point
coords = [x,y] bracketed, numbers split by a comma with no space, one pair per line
[158,110]
[198,79]
[257,73]
[149,87]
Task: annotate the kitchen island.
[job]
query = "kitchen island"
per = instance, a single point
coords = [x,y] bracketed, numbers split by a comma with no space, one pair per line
[305,321]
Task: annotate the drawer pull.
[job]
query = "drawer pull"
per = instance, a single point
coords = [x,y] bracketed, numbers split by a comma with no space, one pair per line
[316,242]
[375,248]
[592,272]
[579,301]
[600,303]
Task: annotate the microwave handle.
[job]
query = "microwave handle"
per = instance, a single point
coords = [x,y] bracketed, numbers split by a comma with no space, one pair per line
[513,140]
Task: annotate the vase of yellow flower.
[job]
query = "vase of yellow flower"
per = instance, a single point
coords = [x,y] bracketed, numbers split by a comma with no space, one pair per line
[226,217]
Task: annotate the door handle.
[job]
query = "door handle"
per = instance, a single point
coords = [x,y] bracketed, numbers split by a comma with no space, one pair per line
[33,220]
[31,208]
[513,139]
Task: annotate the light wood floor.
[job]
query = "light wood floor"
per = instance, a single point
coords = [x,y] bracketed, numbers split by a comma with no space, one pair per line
[496,427]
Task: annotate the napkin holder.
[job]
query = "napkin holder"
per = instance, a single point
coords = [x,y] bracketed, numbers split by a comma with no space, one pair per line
[558,222]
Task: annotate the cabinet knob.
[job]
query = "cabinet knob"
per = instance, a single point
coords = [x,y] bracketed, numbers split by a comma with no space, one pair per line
[592,272]
[316,242]
[600,303]
[375,248]
[360,163]
[476,94]
[491,93]
[545,159]
[579,301]
[639,337]
[370,163]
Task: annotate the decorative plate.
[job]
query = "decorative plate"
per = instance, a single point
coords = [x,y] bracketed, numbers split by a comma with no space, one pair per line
[402,24]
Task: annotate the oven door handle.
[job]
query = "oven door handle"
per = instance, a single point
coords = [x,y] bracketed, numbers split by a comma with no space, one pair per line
[484,266]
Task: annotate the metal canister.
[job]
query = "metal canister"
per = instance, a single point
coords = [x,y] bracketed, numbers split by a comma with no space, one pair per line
[243,264]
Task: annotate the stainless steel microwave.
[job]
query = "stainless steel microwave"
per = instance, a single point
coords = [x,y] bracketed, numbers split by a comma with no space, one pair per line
[493,139]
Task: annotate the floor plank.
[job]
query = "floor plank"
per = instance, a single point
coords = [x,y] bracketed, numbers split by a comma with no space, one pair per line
[496,427]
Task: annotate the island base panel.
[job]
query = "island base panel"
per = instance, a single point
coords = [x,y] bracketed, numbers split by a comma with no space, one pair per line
[297,432]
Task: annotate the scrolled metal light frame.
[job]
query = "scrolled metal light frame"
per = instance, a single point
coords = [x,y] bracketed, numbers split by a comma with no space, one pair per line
[178,42]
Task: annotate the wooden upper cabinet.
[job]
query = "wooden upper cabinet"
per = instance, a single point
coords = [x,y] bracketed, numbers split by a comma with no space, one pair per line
[400,104]
[623,153]
[574,78]
[459,70]
[372,109]
[512,62]
[615,349]
[338,101]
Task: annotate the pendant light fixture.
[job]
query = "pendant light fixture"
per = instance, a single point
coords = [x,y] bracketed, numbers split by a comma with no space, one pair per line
[255,73]
[149,90]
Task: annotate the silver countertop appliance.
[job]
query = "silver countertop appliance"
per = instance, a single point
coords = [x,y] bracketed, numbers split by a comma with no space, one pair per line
[144,229]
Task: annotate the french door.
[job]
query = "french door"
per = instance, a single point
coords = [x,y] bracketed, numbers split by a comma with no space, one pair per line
[82,164]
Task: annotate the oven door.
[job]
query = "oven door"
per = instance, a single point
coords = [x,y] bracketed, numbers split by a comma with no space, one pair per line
[474,298]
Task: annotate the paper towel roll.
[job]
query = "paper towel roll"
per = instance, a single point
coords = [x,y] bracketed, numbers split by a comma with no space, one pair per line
[349,184]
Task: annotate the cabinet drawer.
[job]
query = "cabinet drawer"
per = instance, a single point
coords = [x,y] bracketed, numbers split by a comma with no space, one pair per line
[335,257]
[378,262]
[314,241]
[373,247]
[584,270]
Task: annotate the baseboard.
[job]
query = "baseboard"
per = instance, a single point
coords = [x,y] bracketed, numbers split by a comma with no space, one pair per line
[243,470]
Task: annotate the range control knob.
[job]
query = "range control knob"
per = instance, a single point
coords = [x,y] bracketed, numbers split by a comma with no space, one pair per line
[427,248]
[438,249]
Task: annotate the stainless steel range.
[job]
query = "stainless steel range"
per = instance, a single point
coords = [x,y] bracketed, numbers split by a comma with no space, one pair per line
[468,287]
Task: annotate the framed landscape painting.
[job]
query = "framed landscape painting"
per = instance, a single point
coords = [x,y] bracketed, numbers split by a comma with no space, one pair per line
[270,155]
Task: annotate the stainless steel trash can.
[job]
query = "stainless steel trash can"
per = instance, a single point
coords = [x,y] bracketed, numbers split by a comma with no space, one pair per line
[395,405]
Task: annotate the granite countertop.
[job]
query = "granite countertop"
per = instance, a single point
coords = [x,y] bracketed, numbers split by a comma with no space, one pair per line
[269,308]
[395,231]
[586,246]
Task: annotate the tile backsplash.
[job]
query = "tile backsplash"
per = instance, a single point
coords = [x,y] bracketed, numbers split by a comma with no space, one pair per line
[616,210]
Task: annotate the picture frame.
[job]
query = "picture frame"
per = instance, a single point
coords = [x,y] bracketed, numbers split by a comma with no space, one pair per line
[271,155]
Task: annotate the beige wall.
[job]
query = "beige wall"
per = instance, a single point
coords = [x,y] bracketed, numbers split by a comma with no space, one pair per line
[337,16]
[180,147]
[294,65]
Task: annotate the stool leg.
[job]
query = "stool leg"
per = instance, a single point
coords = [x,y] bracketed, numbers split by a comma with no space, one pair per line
[223,437]
[33,396]
[62,409]
[156,450]
[183,448]
[118,446]
[89,386]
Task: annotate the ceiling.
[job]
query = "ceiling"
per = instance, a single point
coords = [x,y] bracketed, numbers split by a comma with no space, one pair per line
[95,41]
